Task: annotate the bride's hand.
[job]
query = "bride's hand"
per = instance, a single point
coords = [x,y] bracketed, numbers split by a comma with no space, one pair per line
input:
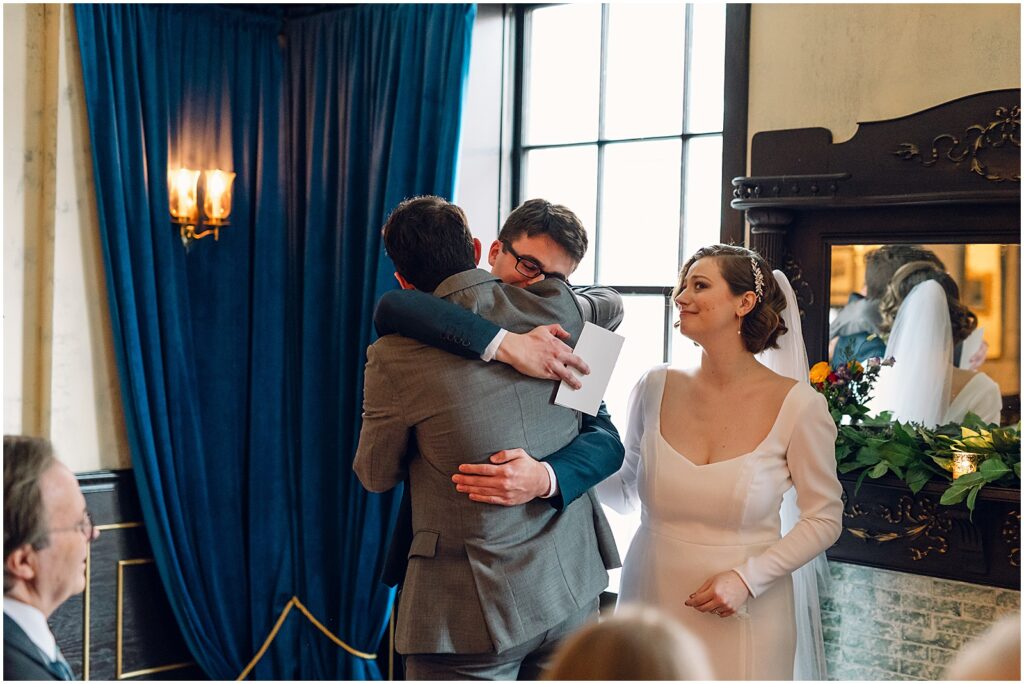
[721,594]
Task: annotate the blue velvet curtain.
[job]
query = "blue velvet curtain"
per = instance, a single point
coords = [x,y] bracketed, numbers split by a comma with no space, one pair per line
[241,360]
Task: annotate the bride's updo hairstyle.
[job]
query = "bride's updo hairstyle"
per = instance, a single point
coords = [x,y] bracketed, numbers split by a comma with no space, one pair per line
[962,319]
[761,328]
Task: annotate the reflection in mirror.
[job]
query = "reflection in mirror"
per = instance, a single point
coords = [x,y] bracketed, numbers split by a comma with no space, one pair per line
[988,279]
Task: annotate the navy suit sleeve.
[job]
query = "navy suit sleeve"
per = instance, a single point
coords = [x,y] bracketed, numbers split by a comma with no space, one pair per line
[434,321]
[594,455]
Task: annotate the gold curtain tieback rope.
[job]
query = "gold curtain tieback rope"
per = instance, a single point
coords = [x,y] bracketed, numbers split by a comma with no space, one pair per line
[295,602]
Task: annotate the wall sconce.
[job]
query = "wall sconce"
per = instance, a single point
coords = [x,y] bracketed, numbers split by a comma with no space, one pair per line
[184,202]
[964,463]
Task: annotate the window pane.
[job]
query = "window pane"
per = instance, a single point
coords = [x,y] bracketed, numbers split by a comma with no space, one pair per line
[707,69]
[702,217]
[567,176]
[643,327]
[640,213]
[644,91]
[563,74]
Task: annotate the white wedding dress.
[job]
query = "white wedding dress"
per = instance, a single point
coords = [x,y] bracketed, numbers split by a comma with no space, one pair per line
[697,521]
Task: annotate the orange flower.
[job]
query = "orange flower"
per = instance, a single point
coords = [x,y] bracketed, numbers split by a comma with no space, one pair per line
[820,372]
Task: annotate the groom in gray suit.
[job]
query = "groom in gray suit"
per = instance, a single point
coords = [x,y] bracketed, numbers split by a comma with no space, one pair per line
[489,590]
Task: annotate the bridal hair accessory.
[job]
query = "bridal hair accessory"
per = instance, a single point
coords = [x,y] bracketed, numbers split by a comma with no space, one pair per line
[758,280]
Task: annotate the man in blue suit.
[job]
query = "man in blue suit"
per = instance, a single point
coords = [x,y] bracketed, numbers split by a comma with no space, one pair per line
[47,532]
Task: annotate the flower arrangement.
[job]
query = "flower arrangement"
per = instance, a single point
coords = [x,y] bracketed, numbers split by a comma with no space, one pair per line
[876,445]
[848,387]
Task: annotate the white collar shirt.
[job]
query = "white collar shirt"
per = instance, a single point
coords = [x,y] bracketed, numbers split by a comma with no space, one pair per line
[33,623]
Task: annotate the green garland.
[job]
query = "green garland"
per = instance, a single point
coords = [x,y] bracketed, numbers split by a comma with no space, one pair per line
[916,455]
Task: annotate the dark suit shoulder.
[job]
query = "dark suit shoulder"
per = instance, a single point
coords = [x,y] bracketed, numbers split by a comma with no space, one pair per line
[22,660]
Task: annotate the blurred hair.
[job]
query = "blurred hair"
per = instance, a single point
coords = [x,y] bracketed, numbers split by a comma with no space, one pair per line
[25,461]
[993,655]
[636,643]
[428,240]
[540,217]
[880,265]
[761,328]
[962,319]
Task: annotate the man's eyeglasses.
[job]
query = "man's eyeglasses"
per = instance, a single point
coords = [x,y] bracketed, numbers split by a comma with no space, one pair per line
[527,266]
[84,526]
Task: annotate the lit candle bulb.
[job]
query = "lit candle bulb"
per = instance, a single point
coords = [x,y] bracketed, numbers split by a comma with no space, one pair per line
[964,463]
[217,195]
[182,191]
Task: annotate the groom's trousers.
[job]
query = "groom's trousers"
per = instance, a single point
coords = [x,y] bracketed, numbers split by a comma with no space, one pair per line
[525,661]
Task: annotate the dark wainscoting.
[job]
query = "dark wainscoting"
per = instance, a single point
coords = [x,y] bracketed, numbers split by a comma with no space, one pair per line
[121,627]
[886,526]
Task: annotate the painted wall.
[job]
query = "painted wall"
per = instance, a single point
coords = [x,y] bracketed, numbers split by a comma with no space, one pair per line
[835,65]
[60,377]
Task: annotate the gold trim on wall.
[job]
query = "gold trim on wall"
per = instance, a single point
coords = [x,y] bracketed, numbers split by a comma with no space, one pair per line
[87,600]
[119,672]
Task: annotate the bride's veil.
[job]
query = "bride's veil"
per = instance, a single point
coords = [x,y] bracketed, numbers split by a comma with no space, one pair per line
[916,387]
[790,360]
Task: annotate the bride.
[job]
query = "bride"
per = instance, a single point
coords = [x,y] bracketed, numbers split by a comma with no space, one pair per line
[710,454]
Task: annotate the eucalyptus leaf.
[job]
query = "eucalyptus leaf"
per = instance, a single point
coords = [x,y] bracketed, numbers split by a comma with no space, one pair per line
[994,467]
[880,469]
[953,496]
[972,497]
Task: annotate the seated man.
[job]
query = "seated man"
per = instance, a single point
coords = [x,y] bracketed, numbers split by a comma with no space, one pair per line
[47,532]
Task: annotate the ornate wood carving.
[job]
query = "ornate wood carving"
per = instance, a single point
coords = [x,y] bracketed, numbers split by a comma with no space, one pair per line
[885,525]
[978,144]
[1011,535]
[801,288]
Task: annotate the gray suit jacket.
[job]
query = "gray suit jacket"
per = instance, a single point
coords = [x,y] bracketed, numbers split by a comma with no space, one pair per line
[481,578]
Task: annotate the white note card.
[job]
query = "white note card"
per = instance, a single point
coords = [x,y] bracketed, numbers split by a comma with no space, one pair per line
[600,349]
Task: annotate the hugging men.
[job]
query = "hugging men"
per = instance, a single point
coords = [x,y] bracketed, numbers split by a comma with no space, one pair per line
[489,589]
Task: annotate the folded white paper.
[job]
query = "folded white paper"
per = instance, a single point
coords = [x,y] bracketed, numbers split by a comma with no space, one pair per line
[600,349]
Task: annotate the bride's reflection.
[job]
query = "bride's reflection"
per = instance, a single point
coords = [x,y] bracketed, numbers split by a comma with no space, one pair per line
[922,313]
[969,323]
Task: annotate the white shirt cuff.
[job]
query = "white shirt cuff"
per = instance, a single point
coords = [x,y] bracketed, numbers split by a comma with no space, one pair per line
[553,489]
[492,348]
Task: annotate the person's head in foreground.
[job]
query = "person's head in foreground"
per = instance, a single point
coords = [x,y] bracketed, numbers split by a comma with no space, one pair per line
[47,529]
[727,293]
[637,643]
[995,655]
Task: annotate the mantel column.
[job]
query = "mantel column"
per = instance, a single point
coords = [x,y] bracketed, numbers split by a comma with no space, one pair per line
[768,228]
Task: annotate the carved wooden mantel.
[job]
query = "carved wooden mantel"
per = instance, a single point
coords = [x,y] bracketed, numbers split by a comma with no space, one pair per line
[886,525]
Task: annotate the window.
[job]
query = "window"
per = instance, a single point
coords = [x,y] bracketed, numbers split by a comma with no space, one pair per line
[619,116]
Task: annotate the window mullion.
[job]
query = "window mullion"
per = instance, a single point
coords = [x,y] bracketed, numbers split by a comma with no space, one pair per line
[601,94]
[684,144]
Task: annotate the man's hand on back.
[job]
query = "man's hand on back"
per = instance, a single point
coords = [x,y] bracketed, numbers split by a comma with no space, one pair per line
[541,354]
[515,478]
